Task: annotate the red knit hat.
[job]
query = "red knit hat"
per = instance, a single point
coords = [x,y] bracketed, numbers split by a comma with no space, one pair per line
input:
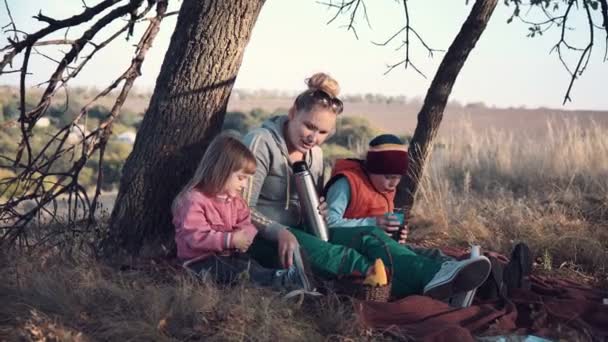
[387,155]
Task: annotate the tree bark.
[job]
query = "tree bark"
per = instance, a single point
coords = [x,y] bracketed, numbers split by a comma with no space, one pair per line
[186,111]
[431,113]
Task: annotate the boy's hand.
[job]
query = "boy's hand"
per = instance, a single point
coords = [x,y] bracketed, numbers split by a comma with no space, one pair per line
[241,240]
[323,210]
[403,236]
[389,224]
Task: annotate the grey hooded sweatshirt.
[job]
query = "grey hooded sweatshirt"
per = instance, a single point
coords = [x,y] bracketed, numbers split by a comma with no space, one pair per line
[271,193]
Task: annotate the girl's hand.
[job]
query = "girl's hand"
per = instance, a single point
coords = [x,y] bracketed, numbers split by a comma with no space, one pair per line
[389,224]
[323,208]
[287,246]
[241,240]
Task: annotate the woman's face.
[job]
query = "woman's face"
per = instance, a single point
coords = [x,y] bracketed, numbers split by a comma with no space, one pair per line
[306,130]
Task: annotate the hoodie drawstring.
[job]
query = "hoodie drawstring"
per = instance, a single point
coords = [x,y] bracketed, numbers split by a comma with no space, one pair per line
[287,172]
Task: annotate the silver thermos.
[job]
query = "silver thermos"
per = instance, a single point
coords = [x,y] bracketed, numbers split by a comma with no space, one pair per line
[309,200]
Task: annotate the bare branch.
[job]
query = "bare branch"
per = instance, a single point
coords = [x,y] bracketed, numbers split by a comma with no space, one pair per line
[85,16]
[584,58]
[604,11]
[44,18]
[350,8]
[103,44]
[31,117]
[12,21]
[392,37]
[38,179]
[345,7]
[56,42]
[562,47]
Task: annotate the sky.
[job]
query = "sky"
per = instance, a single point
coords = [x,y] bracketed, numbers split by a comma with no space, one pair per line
[292,40]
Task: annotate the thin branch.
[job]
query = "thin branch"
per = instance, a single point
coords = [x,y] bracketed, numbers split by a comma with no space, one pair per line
[30,40]
[12,21]
[392,37]
[104,43]
[585,56]
[56,42]
[37,52]
[350,8]
[44,102]
[25,133]
[345,7]
[604,11]
[34,178]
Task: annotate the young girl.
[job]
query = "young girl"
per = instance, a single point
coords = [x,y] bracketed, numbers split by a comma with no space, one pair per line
[212,222]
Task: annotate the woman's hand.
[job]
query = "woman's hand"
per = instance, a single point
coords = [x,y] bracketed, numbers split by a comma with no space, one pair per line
[388,223]
[323,208]
[287,246]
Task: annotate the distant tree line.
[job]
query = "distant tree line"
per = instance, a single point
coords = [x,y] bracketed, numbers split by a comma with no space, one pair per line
[350,139]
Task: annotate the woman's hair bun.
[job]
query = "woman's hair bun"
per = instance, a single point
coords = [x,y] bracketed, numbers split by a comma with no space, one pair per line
[324,82]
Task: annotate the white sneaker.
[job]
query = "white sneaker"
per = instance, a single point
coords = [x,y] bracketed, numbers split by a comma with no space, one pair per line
[458,276]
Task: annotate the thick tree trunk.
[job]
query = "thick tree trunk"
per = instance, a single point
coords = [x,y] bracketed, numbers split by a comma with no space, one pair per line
[429,117]
[186,111]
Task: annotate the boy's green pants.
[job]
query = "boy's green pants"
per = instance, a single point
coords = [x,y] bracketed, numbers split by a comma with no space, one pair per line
[351,251]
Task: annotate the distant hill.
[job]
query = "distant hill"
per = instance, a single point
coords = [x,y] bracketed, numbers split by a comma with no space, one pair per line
[400,117]
[391,114]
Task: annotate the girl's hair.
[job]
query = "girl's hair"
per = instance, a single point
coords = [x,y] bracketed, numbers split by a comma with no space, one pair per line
[322,92]
[225,155]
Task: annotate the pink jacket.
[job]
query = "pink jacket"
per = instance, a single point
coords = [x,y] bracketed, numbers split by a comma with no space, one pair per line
[204,225]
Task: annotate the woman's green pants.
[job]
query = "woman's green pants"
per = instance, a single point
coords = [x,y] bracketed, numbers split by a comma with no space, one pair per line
[351,251]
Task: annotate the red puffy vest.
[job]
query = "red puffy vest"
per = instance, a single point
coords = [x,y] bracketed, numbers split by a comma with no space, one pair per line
[365,200]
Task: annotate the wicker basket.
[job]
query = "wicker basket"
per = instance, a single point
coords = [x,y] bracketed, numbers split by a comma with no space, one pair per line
[354,287]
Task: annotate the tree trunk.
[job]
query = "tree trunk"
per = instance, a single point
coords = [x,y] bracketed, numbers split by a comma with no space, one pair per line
[429,117]
[186,111]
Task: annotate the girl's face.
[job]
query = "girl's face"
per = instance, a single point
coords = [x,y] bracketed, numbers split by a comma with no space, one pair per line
[236,183]
[306,130]
[384,183]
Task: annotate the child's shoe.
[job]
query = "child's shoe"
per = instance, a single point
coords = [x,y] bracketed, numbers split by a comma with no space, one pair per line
[458,276]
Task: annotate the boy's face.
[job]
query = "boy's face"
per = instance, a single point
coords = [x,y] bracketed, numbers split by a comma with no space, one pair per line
[385,183]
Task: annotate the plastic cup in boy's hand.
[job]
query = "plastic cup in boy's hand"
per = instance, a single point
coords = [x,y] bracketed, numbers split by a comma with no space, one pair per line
[389,223]
[396,227]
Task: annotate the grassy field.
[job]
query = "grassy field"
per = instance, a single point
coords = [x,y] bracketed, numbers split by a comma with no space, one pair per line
[484,185]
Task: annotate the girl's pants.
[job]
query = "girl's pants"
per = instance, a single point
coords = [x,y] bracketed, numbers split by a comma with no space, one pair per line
[227,270]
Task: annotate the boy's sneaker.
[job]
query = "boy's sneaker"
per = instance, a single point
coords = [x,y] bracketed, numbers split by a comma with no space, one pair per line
[458,276]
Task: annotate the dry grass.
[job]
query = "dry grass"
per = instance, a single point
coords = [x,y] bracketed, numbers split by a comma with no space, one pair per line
[493,188]
[47,298]
[497,188]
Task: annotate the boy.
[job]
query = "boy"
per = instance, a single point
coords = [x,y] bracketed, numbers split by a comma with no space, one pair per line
[361,192]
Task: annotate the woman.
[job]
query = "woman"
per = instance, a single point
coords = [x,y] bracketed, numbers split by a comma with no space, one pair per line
[271,194]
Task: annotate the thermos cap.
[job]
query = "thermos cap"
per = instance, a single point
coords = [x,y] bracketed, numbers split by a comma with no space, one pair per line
[300,166]
[475,251]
